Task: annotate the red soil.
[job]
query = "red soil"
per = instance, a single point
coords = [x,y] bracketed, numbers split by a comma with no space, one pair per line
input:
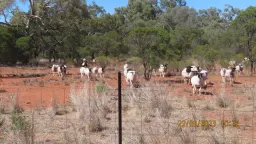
[41,92]
[32,92]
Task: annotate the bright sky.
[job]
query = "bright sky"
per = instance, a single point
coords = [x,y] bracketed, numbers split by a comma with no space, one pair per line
[110,5]
[204,4]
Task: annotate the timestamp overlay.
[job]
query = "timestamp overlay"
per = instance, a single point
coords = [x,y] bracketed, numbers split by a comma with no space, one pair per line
[208,123]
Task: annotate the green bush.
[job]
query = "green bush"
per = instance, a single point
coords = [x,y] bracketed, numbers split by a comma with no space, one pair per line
[134,60]
[70,62]
[101,88]
[224,63]
[238,57]
[34,61]
[19,122]
[103,61]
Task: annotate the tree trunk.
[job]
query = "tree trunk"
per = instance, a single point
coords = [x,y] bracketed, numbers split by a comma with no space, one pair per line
[251,67]
[147,73]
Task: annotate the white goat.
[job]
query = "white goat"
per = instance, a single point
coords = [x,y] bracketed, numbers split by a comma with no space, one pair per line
[228,73]
[96,70]
[85,63]
[85,71]
[232,63]
[189,72]
[55,69]
[129,75]
[197,81]
[239,69]
[125,69]
[162,70]
[62,69]
[101,72]
[204,75]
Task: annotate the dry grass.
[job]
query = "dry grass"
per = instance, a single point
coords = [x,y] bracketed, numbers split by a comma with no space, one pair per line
[150,115]
[223,101]
[2,90]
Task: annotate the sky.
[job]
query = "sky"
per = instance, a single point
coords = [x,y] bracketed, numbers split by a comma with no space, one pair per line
[110,5]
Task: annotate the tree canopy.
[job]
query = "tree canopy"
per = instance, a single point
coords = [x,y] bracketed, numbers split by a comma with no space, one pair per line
[155,32]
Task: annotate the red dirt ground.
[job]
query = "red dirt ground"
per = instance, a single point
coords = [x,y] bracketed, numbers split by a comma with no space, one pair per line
[41,92]
[35,91]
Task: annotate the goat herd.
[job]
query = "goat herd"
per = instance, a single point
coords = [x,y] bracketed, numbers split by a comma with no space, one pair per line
[193,75]
[84,70]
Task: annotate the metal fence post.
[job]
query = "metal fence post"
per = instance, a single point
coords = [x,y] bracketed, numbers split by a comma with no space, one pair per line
[120,107]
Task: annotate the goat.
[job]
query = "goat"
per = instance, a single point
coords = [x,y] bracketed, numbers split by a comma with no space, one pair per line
[162,70]
[62,69]
[97,71]
[130,77]
[101,71]
[55,69]
[94,70]
[239,69]
[85,71]
[232,63]
[230,73]
[197,81]
[125,68]
[204,75]
[246,59]
[85,63]
[188,72]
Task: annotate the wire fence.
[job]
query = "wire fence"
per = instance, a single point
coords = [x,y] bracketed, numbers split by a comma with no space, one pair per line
[150,114]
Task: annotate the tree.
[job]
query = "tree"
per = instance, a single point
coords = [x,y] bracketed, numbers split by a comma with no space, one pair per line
[149,44]
[8,51]
[140,9]
[165,4]
[95,10]
[179,16]
[245,27]
[24,49]
[185,39]
[5,10]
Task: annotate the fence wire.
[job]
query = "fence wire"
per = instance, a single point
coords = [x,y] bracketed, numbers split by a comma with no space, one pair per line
[152,114]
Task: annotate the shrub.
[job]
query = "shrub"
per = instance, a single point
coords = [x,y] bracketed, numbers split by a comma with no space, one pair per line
[19,122]
[34,62]
[100,88]
[134,61]
[2,90]
[70,62]
[224,63]
[18,109]
[223,101]
[95,124]
[103,61]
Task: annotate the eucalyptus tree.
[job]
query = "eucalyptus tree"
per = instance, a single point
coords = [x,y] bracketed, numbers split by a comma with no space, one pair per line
[179,16]
[149,44]
[245,30]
